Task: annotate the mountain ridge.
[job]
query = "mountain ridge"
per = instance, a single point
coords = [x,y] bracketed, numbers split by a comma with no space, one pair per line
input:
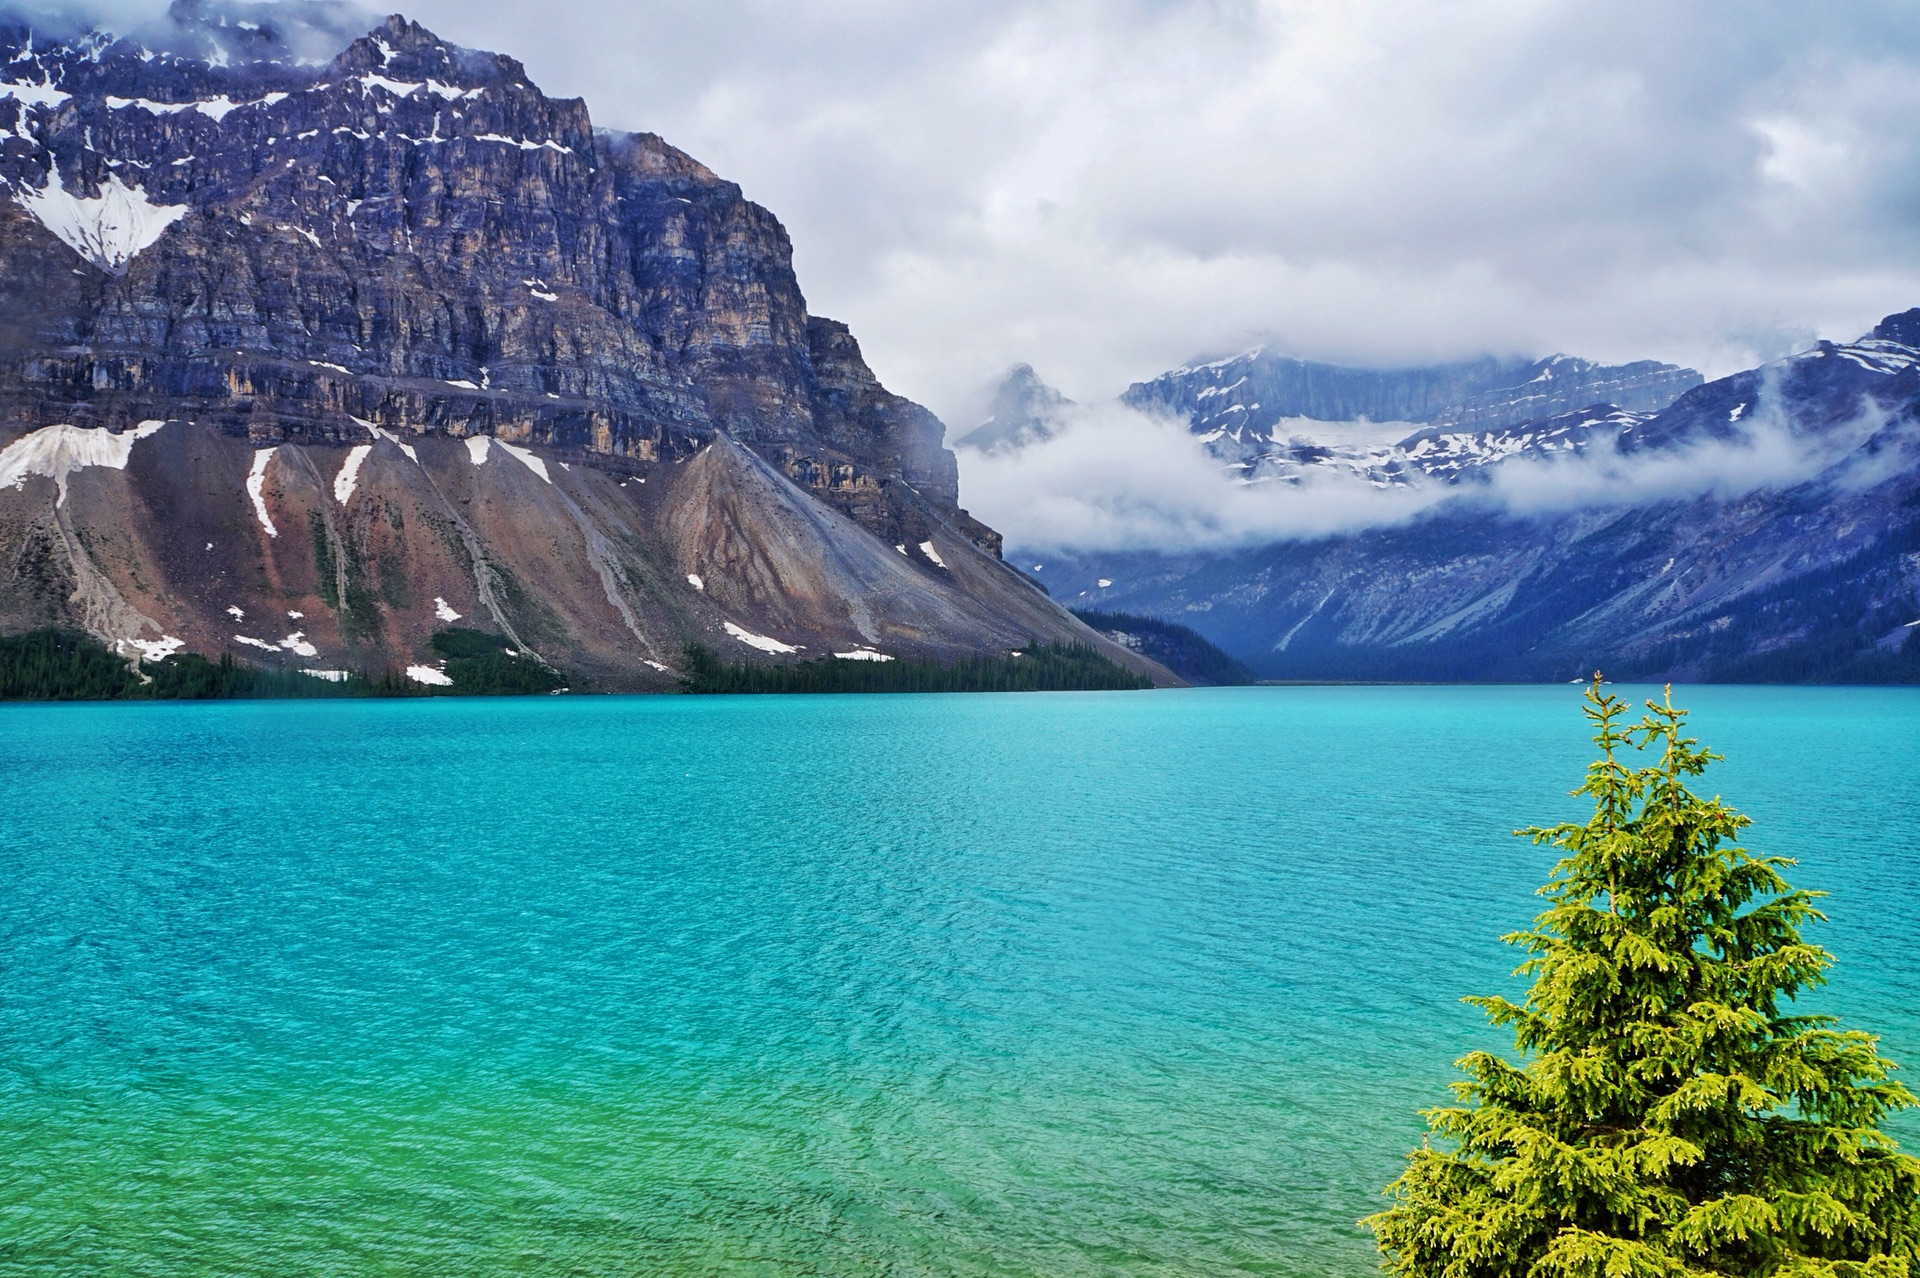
[1245,397]
[1277,417]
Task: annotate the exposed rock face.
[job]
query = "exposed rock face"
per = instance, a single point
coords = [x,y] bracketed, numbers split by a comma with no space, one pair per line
[409,247]
[1805,565]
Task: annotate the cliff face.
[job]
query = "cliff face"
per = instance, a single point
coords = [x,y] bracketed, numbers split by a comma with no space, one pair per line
[395,255]
[414,234]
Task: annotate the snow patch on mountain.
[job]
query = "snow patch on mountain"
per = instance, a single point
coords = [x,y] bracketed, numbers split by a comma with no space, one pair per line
[478,446]
[109,229]
[762,642]
[55,452]
[215,108]
[412,454]
[256,490]
[40,95]
[349,476]
[526,458]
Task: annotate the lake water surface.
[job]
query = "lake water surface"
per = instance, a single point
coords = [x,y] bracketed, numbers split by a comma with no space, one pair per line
[1135,983]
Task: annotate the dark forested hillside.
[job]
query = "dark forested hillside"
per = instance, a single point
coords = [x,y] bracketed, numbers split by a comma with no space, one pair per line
[1181,649]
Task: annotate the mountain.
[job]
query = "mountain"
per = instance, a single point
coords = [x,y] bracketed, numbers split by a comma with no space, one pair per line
[1024,411]
[1764,526]
[1275,418]
[1437,453]
[312,344]
[1252,404]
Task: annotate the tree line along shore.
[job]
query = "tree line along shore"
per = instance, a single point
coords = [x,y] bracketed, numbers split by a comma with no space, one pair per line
[67,665]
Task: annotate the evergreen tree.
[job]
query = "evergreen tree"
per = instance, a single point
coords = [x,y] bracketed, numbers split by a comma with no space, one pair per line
[1669,1117]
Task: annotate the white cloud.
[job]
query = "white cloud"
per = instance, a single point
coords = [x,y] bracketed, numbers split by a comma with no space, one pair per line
[1799,156]
[1115,478]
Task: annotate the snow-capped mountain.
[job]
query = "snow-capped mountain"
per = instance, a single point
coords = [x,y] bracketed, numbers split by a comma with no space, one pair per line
[1273,419]
[1245,405]
[1764,526]
[1298,450]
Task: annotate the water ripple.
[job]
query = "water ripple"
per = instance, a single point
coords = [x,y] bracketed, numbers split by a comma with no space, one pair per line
[1055,984]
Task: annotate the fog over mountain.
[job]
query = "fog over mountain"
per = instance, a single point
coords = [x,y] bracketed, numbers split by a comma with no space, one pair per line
[1106,190]
[1760,527]
[1262,447]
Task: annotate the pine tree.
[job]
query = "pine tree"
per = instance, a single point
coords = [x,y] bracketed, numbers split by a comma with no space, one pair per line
[1669,1117]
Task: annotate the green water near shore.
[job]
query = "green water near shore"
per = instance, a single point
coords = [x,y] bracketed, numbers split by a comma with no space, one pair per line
[1060,984]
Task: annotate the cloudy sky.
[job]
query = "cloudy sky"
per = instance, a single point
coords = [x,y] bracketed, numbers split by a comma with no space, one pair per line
[1106,189]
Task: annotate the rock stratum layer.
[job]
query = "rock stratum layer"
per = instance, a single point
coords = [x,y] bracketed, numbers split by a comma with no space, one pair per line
[302,360]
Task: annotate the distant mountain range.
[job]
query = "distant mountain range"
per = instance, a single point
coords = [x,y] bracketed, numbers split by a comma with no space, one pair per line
[1248,401]
[318,339]
[1764,526]
[1254,406]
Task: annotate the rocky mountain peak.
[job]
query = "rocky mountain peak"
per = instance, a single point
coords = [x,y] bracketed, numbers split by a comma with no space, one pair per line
[648,155]
[1903,328]
[1024,410]
[366,293]
[406,52]
[1272,417]
[1246,397]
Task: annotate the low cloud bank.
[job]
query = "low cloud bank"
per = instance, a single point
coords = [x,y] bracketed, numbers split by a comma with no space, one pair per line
[1113,478]
[1769,454]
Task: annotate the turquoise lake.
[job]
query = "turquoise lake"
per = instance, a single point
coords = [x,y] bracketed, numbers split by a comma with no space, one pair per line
[1133,983]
